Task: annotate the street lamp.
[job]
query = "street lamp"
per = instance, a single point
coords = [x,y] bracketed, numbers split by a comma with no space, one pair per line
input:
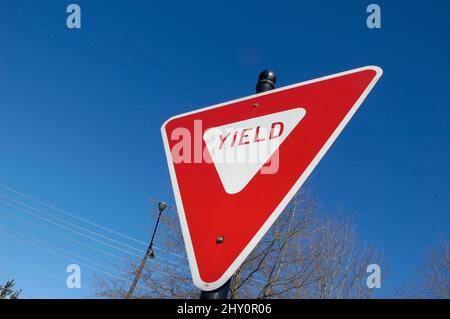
[149,253]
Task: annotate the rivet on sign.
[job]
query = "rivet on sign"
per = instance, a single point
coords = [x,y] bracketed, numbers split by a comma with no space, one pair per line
[220,240]
[255,105]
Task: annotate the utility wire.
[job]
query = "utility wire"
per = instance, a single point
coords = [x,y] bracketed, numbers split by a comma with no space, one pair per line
[71,215]
[28,240]
[39,271]
[89,237]
[71,224]
[80,227]
[59,255]
[67,228]
[62,236]
[83,219]
[70,253]
[75,231]
[33,239]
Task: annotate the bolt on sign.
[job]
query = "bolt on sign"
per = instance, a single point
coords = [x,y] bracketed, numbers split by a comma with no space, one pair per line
[235,166]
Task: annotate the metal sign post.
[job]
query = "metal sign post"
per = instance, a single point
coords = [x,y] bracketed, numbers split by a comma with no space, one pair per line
[266,82]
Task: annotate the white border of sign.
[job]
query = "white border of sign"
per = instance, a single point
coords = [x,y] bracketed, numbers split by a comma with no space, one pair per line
[279,209]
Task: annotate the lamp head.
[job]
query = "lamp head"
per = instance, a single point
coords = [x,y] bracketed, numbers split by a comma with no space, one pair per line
[162,206]
[152,254]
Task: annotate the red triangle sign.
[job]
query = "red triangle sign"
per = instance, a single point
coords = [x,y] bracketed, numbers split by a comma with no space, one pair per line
[235,166]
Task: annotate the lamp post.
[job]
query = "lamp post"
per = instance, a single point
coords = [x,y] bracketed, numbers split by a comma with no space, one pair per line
[149,253]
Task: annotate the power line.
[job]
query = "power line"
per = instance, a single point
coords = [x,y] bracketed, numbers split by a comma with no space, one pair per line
[71,224]
[71,215]
[39,271]
[82,219]
[79,233]
[62,236]
[79,227]
[59,255]
[67,228]
[29,238]
[56,248]
[70,253]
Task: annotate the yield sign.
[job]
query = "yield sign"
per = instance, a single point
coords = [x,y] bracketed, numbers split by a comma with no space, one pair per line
[235,166]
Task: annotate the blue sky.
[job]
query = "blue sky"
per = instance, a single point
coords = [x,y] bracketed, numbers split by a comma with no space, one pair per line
[81,111]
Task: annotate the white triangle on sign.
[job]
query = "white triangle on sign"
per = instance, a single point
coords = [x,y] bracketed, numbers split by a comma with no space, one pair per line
[239,150]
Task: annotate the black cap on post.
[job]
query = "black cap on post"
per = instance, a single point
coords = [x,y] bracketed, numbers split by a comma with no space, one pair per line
[266,81]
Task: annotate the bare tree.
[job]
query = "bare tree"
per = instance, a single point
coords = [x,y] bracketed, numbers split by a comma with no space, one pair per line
[436,273]
[305,254]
